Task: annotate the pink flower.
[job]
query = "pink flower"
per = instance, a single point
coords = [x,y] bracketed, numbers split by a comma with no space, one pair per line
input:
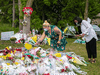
[66,67]
[51,52]
[25,52]
[50,57]
[33,52]
[23,73]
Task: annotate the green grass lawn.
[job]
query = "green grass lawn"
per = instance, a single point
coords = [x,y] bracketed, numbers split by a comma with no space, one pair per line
[79,49]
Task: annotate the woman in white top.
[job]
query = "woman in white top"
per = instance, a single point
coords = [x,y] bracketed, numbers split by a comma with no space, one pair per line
[90,37]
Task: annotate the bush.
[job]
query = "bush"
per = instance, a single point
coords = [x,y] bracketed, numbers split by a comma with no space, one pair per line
[13,39]
[99,25]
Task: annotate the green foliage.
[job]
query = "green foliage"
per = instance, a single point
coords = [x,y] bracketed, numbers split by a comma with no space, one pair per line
[36,24]
[16,21]
[62,24]
[99,25]
[94,8]
[7,27]
[47,2]
[13,39]
[55,11]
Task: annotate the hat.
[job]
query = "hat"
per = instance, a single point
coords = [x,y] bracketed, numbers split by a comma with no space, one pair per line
[46,23]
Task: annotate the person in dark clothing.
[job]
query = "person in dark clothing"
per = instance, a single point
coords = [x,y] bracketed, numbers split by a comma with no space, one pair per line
[90,37]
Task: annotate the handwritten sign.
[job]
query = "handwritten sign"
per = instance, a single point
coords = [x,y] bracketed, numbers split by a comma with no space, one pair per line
[6,35]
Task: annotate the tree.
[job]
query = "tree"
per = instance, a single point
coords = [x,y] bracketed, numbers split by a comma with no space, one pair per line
[86,11]
[13,24]
[20,15]
[26,28]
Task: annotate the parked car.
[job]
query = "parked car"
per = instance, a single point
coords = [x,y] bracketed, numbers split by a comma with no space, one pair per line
[97,30]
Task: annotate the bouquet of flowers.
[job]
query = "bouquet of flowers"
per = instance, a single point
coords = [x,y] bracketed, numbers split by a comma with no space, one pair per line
[27,10]
[13,38]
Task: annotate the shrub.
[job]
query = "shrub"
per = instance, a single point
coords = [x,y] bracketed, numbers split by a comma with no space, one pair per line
[13,39]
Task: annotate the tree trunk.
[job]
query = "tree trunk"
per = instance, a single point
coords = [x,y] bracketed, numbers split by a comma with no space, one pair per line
[20,14]
[26,28]
[86,11]
[13,24]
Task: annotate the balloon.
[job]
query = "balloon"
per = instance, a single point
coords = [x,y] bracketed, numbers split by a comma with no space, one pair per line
[58,55]
[28,46]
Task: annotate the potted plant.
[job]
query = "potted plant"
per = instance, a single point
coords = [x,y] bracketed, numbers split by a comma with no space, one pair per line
[13,39]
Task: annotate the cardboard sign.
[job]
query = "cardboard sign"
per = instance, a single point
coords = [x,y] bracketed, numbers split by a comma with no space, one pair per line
[6,35]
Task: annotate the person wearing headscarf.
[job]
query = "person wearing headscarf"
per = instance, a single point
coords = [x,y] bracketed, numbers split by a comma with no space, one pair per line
[89,36]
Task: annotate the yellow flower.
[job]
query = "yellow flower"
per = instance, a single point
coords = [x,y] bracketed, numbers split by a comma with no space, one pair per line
[36,61]
[22,58]
[8,55]
[58,55]
[14,51]
[7,48]
[74,61]
[11,52]
[34,47]
[8,63]
[61,60]
[16,63]
[65,29]
[73,58]
[4,57]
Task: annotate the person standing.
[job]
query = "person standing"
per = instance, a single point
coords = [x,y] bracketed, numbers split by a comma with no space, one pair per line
[90,37]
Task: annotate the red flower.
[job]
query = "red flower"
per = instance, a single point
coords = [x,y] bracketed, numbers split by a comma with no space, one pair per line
[10,58]
[23,56]
[5,50]
[29,9]
[29,56]
[62,70]
[46,74]
[62,47]
[4,53]
[51,44]
[69,57]
[25,52]
[19,50]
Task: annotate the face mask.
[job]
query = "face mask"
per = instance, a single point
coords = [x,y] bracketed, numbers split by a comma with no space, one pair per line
[45,29]
[77,24]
